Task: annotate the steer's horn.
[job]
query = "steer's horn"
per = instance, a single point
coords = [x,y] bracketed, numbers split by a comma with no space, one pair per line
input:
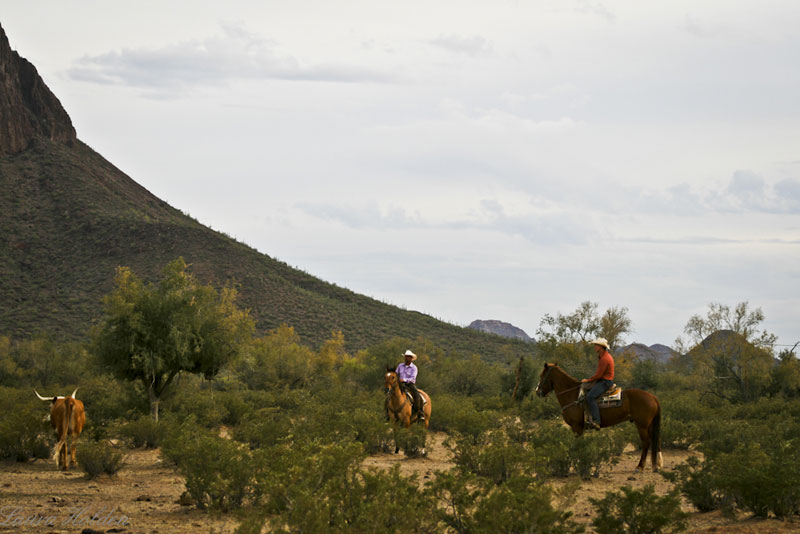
[40,397]
[73,393]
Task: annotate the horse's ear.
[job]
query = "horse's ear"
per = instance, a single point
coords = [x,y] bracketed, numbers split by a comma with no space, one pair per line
[389,369]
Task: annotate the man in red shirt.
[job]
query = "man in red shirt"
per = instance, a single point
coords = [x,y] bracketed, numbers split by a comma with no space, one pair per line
[603,379]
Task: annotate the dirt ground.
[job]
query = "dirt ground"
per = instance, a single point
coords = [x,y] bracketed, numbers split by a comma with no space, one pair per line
[144,497]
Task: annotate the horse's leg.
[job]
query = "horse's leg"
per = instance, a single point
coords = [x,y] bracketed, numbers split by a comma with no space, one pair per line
[644,435]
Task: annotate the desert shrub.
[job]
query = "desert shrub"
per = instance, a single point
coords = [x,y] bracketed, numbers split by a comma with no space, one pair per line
[680,434]
[97,457]
[496,456]
[592,451]
[534,408]
[755,468]
[355,500]
[237,407]
[108,400]
[645,374]
[761,479]
[202,403]
[696,481]
[522,504]
[412,440]
[265,427]
[472,377]
[143,432]
[458,414]
[562,453]
[370,429]
[218,471]
[639,512]
[24,432]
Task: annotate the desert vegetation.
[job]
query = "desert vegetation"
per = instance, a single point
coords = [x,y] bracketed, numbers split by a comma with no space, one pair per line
[275,431]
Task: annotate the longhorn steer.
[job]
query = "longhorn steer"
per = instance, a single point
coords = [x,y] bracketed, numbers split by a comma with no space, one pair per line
[67,417]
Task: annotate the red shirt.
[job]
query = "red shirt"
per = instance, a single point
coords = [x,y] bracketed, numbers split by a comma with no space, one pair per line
[605,367]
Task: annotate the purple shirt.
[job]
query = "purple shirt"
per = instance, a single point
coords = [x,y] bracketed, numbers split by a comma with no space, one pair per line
[407,373]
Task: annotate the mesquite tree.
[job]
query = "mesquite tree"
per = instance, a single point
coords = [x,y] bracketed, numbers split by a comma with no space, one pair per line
[153,332]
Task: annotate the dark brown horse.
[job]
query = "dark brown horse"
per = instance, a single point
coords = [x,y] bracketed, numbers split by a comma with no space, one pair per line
[398,405]
[640,407]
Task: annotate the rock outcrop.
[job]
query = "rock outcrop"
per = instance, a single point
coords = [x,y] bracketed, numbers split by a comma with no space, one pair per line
[28,109]
[500,328]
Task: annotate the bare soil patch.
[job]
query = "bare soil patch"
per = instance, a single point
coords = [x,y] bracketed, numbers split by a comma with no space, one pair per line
[147,492]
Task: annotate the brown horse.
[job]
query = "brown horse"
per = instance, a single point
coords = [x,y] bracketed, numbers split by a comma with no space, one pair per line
[640,407]
[398,405]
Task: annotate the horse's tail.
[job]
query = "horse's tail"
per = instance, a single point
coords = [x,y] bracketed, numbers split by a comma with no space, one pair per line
[655,437]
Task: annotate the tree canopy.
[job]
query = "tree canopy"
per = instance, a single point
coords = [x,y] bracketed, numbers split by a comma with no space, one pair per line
[153,332]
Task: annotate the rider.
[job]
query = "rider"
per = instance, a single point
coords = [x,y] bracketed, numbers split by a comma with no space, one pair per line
[602,380]
[407,375]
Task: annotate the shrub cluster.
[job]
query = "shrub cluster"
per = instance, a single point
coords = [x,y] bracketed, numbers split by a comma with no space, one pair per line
[97,457]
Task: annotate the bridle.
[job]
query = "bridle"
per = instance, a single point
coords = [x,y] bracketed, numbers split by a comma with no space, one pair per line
[558,393]
[388,391]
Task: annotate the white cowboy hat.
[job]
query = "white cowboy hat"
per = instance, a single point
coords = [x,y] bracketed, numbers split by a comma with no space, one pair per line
[602,342]
[409,353]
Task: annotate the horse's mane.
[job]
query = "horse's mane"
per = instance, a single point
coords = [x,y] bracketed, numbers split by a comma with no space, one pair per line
[555,366]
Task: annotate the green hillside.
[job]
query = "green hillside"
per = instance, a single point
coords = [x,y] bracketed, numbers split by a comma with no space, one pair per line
[69,218]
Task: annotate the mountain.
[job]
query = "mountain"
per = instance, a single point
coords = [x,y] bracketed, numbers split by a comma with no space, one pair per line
[658,353]
[68,218]
[500,328]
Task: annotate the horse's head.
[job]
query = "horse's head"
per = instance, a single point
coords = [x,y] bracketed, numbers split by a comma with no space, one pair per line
[389,380]
[545,384]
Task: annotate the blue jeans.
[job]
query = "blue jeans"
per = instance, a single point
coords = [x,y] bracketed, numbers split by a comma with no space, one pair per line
[599,387]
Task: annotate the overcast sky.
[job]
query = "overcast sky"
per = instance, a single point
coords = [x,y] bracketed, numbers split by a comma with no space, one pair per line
[469,160]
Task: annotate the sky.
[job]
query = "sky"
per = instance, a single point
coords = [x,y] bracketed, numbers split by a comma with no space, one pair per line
[465,159]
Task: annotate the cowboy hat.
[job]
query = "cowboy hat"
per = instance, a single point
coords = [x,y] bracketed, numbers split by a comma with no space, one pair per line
[409,353]
[602,342]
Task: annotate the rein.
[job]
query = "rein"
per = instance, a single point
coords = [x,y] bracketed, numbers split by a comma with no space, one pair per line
[558,393]
[389,396]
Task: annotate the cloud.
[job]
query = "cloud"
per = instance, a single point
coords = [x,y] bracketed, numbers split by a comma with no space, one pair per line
[235,55]
[595,8]
[788,191]
[544,227]
[745,192]
[471,46]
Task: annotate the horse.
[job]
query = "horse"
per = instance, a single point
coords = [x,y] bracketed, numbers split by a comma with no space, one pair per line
[399,407]
[640,407]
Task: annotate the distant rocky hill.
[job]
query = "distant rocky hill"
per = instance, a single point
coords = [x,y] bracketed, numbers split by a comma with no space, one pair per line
[659,353]
[500,328]
[69,218]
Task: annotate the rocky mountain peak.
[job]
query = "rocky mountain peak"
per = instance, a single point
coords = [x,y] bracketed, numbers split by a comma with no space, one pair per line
[500,328]
[28,109]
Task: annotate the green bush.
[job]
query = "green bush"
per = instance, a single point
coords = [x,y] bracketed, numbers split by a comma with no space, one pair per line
[696,481]
[265,428]
[470,505]
[370,429]
[412,440]
[496,456]
[761,479]
[203,403]
[24,432]
[143,432]
[680,434]
[219,472]
[458,414]
[562,453]
[639,512]
[96,457]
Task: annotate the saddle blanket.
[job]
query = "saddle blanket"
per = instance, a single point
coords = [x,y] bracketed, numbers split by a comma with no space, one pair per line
[610,399]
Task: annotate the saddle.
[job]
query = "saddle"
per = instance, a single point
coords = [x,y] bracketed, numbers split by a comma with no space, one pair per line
[410,398]
[612,398]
